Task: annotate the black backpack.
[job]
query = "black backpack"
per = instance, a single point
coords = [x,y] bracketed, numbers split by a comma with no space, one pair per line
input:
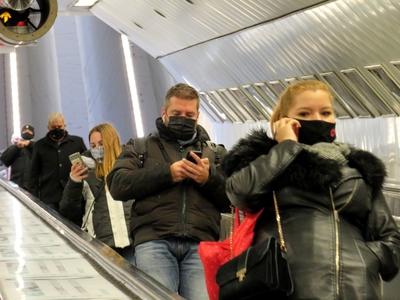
[140,147]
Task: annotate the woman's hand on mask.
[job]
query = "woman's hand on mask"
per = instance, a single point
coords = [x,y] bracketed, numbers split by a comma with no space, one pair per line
[78,172]
[286,129]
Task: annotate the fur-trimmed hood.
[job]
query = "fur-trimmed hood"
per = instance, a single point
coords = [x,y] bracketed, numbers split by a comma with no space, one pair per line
[308,171]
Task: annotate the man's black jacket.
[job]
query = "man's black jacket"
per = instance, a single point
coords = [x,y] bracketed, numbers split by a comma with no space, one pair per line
[51,167]
[20,161]
[163,208]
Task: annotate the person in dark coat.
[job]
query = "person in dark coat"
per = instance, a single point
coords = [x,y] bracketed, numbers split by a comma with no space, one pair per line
[177,202]
[86,199]
[19,157]
[50,161]
[340,235]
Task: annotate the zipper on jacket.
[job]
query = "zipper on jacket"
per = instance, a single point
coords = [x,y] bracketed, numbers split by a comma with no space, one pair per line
[183,212]
[337,224]
[337,257]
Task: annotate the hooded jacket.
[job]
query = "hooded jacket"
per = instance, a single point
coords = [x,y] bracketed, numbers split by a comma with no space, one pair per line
[163,208]
[340,235]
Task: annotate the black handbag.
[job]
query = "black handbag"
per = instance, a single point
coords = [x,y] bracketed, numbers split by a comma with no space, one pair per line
[260,272]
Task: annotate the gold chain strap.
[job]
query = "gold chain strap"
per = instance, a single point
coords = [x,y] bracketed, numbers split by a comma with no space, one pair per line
[231,231]
[282,243]
[278,223]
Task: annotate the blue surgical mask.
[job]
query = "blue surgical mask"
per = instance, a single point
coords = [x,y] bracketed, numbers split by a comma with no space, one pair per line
[97,153]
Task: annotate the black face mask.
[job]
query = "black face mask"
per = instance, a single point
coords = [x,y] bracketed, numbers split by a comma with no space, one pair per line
[56,134]
[27,136]
[182,128]
[315,131]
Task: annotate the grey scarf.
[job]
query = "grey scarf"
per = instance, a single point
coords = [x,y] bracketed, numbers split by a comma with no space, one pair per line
[333,151]
[189,141]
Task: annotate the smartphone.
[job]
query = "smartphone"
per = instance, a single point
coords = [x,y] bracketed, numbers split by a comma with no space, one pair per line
[190,158]
[76,158]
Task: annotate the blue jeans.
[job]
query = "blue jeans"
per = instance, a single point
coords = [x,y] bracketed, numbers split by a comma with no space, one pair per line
[127,253]
[175,263]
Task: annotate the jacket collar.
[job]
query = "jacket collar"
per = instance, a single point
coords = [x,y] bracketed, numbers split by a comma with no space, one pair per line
[55,144]
[322,172]
[246,150]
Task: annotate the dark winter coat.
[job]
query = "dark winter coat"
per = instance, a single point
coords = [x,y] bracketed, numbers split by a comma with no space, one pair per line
[20,160]
[51,167]
[339,246]
[90,195]
[164,208]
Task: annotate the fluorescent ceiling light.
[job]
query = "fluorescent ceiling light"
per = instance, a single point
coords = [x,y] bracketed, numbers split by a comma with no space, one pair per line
[86,3]
[15,93]
[137,114]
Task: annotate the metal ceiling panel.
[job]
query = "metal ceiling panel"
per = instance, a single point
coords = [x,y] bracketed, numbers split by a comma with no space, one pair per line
[162,27]
[333,36]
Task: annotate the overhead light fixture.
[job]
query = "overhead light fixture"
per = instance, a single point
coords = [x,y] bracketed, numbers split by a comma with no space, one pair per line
[137,113]
[85,3]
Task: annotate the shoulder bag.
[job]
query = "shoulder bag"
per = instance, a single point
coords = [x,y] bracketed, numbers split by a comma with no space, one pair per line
[260,272]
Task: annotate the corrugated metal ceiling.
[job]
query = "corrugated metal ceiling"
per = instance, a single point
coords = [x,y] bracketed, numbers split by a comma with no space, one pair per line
[334,36]
[161,27]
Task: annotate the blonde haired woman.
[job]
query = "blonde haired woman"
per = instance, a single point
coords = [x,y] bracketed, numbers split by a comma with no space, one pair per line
[340,235]
[86,200]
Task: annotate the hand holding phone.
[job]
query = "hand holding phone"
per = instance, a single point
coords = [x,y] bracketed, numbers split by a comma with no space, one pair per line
[79,169]
[191,159]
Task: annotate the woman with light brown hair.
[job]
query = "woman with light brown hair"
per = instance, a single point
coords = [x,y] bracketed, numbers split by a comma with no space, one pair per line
[340,236]
[86,200]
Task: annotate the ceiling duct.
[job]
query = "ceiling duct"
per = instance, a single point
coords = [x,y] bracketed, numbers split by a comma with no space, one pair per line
[23,22]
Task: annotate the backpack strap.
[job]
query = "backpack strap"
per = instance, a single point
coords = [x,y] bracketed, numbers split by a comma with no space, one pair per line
[140,147]
[217,149]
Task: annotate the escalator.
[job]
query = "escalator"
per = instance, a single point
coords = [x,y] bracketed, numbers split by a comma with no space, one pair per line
[44,258]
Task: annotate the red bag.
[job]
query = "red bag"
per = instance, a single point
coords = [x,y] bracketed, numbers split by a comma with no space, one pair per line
[214,254]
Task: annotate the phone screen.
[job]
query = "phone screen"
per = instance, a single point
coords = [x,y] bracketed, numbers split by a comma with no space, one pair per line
[190,158]
[76,158]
